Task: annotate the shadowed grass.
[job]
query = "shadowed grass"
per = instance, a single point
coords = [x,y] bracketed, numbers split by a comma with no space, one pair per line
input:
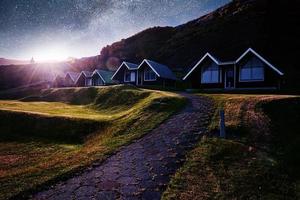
[37,156]
[257,161]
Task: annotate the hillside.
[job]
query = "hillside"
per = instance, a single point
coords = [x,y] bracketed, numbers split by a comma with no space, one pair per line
[18,75]
[61,131]
[4,61]
[266,26]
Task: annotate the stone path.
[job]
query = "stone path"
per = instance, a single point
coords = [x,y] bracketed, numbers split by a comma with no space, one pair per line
[142,169]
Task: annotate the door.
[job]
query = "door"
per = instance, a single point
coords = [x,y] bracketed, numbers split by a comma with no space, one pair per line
[229,78]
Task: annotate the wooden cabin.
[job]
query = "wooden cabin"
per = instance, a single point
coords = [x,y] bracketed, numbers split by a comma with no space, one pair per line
[84,79]
[102,77]
[249,71]
[153,73]
[70,79]
[126,73]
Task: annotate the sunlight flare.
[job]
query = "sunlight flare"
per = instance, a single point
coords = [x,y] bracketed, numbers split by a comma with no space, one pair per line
[52,53]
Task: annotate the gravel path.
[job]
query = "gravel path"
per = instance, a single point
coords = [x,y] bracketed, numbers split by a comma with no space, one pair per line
[142,169]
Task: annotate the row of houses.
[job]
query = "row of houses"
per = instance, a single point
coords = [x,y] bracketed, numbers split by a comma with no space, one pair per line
[84,79]
[249,70]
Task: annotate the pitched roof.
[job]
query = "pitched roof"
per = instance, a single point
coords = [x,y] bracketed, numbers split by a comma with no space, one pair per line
[130,66]
[105,75]
[160,70]
[261,58]
[73,75]
[218,62]
[207,55]
[87,74]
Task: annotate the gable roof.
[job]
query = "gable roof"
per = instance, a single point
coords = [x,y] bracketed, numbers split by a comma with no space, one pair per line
[250,50]
[202,59]
[130,66]
[104,75]
[73,75]
[159,69]
[86,74]
[232,62]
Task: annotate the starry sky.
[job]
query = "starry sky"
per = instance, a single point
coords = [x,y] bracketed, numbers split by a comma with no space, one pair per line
[57,29]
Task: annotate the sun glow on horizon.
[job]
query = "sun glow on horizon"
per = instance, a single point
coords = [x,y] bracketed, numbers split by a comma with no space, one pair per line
[51,53]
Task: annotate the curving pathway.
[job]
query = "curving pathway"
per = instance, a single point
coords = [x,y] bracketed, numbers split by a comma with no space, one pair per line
[142,169]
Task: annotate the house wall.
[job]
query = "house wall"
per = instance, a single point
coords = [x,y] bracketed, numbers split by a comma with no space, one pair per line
[68,81]
[159,81]
[97,80]
[120,76]
[271,78]
[88,82]
[81,81]
[194,80]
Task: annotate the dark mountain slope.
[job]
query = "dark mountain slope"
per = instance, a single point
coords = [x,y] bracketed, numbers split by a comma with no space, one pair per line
[142,45]
[270,27]
[4,61]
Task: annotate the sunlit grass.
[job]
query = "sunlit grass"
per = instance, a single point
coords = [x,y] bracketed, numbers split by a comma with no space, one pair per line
[54,109]
[33,160]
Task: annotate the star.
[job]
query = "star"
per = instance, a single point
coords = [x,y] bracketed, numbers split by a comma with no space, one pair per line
[83,27]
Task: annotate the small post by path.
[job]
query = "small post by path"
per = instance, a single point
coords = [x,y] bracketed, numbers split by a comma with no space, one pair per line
[222,124]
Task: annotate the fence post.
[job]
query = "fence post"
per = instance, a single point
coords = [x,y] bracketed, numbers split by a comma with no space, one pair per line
[222,124]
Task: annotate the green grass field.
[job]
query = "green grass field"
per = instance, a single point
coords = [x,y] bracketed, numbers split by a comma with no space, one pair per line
[47,135]
[258,160]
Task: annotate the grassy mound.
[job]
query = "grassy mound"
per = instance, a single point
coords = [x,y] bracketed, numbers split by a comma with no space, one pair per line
[285,140]
[60,131]
[23,126]
[226,169]
[81,111]
[257,161]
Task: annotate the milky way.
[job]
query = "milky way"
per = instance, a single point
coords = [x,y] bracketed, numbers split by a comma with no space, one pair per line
[83,27]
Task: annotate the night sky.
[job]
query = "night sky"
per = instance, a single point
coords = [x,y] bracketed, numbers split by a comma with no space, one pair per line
[57,29]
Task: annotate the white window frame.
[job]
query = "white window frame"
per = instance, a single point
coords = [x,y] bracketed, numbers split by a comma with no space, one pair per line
[130,72]
[252,80]
[150,70]
[219,75]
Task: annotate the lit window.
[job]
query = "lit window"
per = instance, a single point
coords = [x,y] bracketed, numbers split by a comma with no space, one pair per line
[253,70]
[129,76]
[210,74]
[149,75]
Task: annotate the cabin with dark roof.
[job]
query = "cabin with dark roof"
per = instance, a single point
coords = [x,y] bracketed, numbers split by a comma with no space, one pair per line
[249,71]
[152,73]
[70,79]
[126,73]
[102,77]
[84,79]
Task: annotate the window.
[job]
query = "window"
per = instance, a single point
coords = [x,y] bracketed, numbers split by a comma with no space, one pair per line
[252,70]
[149,75]
[88,82]
[210,74]
[129,76]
